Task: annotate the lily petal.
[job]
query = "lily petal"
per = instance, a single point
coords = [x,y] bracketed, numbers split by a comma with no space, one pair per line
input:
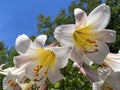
[78,57]
[99,17]
[62,53]
[21,60]
[31,75]
[64,33]
[97,86]
[40,41]
[104,73]
[112,61]
[11,79]
[114,76]
[55,44]
[55,76]
[99,55]
[90,74]
[80,17]
[105,35]
[23,43]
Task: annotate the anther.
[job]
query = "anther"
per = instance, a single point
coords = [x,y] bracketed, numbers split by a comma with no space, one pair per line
[45,74]
[12,84]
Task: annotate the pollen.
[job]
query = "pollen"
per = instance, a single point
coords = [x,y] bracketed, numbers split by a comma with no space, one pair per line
[12,83]
[109,88]
[36,71]
[45,74]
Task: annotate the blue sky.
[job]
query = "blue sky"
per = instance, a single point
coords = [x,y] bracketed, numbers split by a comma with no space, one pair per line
[20,16]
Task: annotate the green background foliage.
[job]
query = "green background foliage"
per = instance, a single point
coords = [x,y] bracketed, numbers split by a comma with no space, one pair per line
[73,80]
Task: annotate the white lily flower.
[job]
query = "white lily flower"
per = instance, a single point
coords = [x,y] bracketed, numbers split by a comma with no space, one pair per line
[41,62]
[112,61]
[108,80]
[88,35]
[12,74]
[9,82]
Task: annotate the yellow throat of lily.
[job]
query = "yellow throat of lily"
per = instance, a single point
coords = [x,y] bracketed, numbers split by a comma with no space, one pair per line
[46,61]
[82,38]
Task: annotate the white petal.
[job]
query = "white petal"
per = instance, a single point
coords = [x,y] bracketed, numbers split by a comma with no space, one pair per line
[5,71]
[100,55]
[104,73]
[55,76]
[23,43]
[63,54]
[40,83]
[99,17]
[64,33]
[97,86]
[22,60]
[29,73]
[6,85]
[78,57]
[113,81]
[105,35]
[40,41]
[90,74]
[113,61]
[80,17]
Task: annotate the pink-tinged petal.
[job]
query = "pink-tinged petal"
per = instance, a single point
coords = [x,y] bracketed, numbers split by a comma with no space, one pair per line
[79,57]
[80,17]
[62,54]
[99,17]
[44,87]
[106,35]
[64,33]
[92,75]
[55,76]
[99,55]
[112,61]
[40,41]
[55,44]
[23,43]
[22,60]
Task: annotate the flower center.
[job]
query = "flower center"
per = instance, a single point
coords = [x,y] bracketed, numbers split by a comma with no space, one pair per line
[12,83]
[82,38]
[46,61]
